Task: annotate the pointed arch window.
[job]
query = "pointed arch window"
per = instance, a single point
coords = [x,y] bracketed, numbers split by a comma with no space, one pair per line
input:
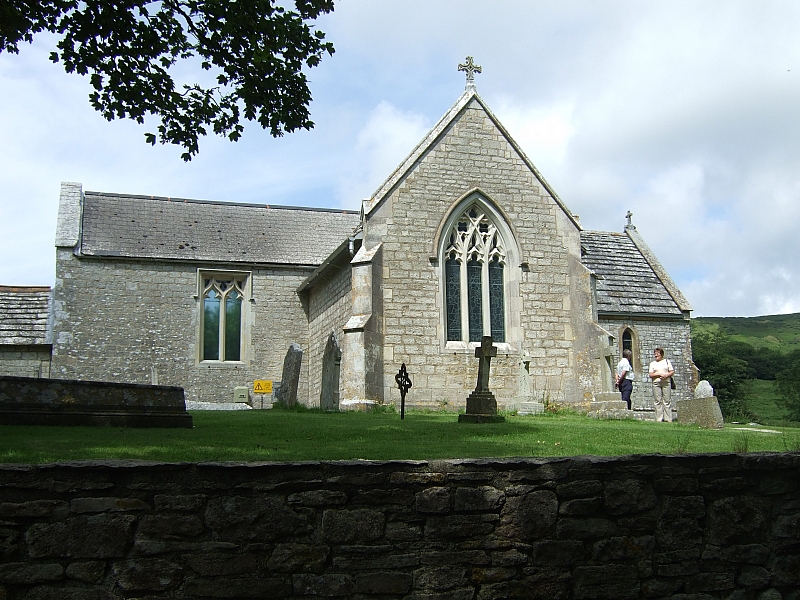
[474,270]
[222,302]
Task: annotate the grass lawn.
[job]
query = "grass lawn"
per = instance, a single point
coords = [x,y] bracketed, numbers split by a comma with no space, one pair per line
[278,435]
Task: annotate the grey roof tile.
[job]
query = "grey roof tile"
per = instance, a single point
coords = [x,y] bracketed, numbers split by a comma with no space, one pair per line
[627,284]
[166,228]
[23,314]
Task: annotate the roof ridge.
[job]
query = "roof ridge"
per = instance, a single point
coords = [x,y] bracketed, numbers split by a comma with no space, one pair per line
[24,288]
[222,202]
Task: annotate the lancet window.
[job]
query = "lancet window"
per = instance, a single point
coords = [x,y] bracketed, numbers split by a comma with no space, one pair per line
[222,318]
[474,270]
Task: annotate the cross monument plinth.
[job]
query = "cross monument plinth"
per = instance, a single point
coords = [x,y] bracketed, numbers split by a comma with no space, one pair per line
[481,404]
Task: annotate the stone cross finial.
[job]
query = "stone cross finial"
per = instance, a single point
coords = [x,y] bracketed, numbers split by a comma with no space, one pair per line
[630,225]
[470,68]
[484,352]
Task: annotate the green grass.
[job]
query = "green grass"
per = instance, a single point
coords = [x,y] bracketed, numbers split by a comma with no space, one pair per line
[294,436]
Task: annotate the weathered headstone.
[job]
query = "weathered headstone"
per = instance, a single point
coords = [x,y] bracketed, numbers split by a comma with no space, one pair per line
[481,404]
[291,375]
[331,367]
[527,404]
[704,390]
[702,410]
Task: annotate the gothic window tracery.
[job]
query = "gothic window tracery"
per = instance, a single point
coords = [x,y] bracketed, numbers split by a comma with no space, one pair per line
[474,265]
[222,318]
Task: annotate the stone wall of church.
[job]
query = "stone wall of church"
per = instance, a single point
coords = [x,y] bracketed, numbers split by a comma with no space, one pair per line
[328,311]
[474,155]
[25,361]
[674,337]
[138,322]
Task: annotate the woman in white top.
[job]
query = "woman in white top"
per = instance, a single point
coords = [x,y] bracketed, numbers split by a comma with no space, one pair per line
[660,372]
[625,377]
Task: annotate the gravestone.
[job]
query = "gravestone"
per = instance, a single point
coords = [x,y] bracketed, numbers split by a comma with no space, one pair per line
[481,404]
[331,367]
[527,403]
[704,390]
[37,401]
[291,375]
[702,410]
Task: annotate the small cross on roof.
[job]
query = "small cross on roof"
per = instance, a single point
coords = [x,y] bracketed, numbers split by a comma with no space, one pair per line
[470,68]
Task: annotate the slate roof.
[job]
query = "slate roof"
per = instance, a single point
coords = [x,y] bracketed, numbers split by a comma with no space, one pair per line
[23,314]
[148,227]
[627,282]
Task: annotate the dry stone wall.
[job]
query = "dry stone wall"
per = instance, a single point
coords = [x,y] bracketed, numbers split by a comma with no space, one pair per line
[682,527]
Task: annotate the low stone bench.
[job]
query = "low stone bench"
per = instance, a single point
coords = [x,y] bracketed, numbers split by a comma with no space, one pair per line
[32,401]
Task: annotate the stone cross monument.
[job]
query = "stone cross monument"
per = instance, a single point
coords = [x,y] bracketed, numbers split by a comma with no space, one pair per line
[481,404]
[470,68]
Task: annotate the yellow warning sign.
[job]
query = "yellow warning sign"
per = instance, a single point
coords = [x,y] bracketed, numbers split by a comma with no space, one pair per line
[262,386]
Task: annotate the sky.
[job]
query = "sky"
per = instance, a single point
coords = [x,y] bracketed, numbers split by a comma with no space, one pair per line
[685,113]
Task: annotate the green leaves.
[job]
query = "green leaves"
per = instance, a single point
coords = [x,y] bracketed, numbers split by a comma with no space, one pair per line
[256,50]
[714,354]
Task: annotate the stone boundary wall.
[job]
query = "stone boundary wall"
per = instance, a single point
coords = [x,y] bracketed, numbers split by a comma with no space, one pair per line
[691,527]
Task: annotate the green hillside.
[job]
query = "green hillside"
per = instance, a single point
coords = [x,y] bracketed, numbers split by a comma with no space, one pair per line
[776,332]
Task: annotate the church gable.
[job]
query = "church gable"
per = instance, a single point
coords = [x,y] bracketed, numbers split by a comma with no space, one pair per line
[501,146]
[474,243]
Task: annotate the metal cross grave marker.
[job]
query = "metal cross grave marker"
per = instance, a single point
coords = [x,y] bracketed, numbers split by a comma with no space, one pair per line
[404,383]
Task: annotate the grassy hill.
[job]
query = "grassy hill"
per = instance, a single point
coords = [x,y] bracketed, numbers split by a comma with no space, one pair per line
[776,332]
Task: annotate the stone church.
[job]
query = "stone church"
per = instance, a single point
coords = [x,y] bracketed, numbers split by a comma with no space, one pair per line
[464,239]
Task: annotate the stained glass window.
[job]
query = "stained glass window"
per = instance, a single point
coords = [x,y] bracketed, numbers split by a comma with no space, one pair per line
[474,278]
[496,301]
[222,327]
[452,270]
[475,300]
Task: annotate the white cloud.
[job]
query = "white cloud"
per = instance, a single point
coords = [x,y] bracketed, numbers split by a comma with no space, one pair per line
[685,113]
[387,137]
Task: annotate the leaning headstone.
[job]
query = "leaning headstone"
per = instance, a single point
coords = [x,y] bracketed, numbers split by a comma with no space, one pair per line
[291,375]
[331,368]
[481,404]
[702,410]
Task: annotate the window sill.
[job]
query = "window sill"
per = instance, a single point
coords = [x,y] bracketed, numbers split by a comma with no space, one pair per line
[469,347]
[218,364]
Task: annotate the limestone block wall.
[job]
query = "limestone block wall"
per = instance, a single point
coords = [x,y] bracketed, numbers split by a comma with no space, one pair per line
[138,322]
[328,311]
[474,155]
[705,527]
[25,361]
[674,336]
